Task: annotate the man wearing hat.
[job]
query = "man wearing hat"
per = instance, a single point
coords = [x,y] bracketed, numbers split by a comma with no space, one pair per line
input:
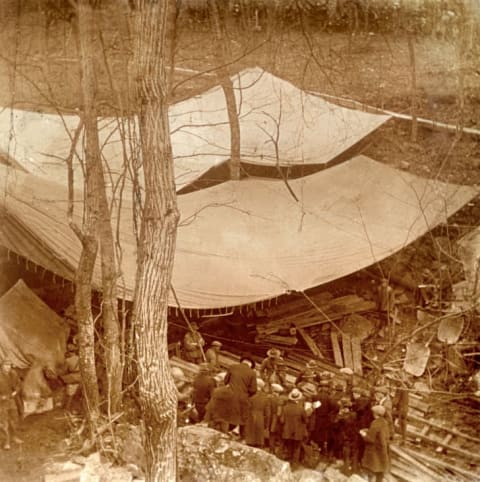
[222,411]
[294,419]
[324,417]
[309,375]
[193,344]
[269,365]
[9,387]
[243,380]
[277,401]
[376,457]
[259,416]
[211,355]
[203,386]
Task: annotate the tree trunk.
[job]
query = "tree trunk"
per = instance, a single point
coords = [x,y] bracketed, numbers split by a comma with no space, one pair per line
[83,311]
[154,34]
[227,87]
[95,175]
[413,86]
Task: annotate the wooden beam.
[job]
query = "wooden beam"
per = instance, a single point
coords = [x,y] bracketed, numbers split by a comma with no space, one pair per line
[337,354]
[310,343]
[357,355]
[347,350]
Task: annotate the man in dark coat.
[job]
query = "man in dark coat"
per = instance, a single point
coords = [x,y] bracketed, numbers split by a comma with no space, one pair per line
[259,416]
[362,406]
[222,410]
[203,386]
[243,381]
[277,402]
[376,457]
[294,419]
[324,415]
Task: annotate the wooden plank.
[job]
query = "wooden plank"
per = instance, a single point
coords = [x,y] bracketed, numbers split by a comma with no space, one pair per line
[445,441]
[310,343]
[451,448]
[357,355]
[446,429]
[424,470]
[347,350]
[436,461]
[337,354]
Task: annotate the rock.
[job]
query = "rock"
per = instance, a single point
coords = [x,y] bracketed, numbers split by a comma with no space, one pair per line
[199,458]
[356,478]
[62,472]
[404,165]
[307,475]
[332,474]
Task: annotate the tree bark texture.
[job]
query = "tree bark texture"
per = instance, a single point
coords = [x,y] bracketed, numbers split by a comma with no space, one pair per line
[96,187]
[153,55]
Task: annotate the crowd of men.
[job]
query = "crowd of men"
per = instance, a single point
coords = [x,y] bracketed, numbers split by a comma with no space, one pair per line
[265,407]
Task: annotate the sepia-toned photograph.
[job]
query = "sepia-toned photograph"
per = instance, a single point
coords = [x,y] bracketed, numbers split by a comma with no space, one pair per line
[239,240]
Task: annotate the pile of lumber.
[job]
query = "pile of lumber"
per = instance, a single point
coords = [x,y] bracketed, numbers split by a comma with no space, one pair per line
[304,317]
[434,451]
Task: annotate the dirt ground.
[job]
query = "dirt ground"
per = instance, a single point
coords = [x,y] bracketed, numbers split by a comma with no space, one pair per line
[43,436]
[39,70]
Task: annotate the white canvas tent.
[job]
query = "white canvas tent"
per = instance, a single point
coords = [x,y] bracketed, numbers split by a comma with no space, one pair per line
[30,330]
[273,113]
[245,241]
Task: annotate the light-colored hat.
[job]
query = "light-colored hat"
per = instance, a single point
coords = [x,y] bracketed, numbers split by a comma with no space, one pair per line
[381,389]
[295,394]
[219,377]
[177,374]
[346,371]
[277,388]
[324,383]
[378,410]
[260,383]
[274,353]
[204,367]
[311,364]
[217,343]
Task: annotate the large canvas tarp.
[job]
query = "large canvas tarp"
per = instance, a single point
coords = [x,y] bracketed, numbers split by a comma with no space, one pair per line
[29,330]
[245,241]
[275,116]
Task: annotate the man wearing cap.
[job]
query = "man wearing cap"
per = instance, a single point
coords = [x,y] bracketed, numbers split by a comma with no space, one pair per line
[376,457]
[259,416]
[211,355]
[203,386]
[362,406]
[10,386]
[243,380]
[184,395]
[193,344]
[382,397]
[294,419]
[309,375]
